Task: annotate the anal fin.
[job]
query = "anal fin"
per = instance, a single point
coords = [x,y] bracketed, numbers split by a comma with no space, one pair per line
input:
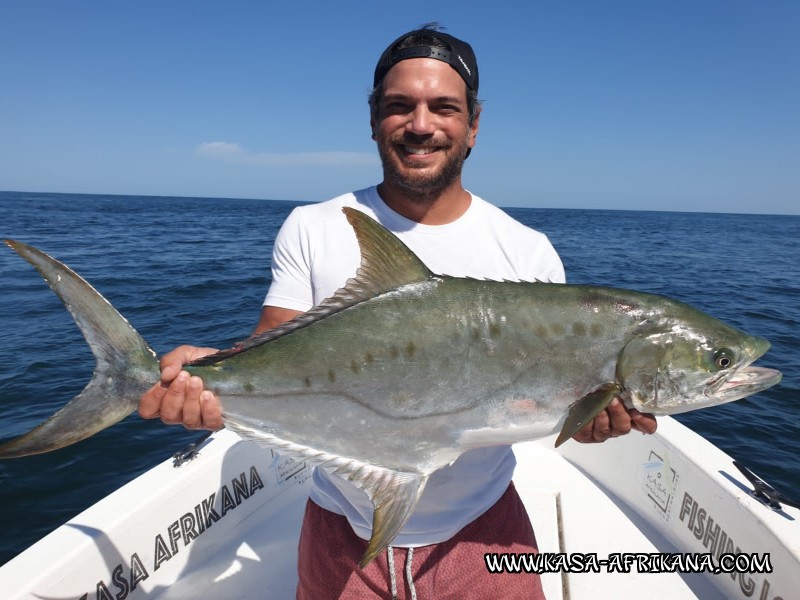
[394,494]
[587,408]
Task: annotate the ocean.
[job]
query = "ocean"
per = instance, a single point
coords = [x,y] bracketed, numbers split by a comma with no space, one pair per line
[195,270]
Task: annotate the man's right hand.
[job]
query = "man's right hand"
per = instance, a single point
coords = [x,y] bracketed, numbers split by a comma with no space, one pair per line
[181,398]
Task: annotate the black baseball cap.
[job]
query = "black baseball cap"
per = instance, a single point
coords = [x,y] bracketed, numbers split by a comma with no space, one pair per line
[454,52]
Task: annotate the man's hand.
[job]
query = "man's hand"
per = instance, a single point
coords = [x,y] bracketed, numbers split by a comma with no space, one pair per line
[614,421]
[179,397]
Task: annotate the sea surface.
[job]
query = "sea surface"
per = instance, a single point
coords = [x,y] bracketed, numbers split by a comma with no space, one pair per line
[195,270]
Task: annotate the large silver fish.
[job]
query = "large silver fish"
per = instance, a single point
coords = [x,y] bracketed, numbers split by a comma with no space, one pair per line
[403,370]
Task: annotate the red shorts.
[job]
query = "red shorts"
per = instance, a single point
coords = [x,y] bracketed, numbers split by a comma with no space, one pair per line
[329,553]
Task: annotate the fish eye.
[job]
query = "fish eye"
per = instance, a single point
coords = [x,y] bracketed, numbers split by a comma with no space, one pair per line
[723,358]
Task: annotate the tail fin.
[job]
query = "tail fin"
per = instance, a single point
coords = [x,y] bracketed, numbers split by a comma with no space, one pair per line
[126,366]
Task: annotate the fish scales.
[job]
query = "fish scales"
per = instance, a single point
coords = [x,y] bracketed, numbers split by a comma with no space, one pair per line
[420,363]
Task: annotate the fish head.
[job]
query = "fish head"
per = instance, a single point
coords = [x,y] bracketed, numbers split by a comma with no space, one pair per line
[691,362]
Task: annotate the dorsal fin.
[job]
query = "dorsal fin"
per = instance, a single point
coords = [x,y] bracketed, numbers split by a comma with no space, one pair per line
[386,264]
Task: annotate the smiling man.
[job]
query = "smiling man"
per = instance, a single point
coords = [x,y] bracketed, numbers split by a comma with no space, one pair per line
[425,115]
[425,123]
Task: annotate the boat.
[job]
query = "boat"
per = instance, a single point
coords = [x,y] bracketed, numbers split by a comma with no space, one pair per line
[660,516]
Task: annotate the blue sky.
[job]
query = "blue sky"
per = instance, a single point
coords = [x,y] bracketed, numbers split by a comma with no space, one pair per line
[620,105]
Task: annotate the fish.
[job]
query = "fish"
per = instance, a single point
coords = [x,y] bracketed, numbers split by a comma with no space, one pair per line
[402,370]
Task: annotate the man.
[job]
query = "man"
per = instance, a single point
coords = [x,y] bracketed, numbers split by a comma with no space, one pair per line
[425,117]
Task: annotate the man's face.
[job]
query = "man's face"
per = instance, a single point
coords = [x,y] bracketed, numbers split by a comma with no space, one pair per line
[422,127]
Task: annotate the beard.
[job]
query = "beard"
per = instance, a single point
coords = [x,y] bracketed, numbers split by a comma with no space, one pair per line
[418,185]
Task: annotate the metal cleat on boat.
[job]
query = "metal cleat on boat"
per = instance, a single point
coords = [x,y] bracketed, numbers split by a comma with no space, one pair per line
[764,492]
[190,451]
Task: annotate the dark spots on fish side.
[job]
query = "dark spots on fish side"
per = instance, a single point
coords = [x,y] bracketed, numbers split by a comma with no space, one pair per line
[368,358]
[494,331]
[411,350]
[394,352]
[595,330]
[249,388]
[579,329]
[354,366]
[332,376]
[541,331]
[591,298]
[307,382]
[557,329]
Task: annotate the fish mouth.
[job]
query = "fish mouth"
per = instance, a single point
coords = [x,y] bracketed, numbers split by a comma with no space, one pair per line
[743,382]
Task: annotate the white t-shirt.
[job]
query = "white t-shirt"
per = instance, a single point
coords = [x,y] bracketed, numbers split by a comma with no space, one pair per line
[316,252]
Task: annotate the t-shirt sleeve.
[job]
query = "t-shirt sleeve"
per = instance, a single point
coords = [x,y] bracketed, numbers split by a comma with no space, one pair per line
[291,267]
[536,259]
[555,268]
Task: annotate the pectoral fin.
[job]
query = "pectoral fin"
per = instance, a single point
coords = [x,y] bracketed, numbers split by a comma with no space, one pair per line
[585,409]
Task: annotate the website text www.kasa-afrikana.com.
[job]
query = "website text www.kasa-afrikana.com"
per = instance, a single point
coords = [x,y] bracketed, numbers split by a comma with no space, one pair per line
[626,562]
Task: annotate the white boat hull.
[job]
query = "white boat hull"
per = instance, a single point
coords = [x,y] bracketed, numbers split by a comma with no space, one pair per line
[225,525]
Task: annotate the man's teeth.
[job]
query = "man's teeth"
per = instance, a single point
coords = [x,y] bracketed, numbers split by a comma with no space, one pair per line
[425,150]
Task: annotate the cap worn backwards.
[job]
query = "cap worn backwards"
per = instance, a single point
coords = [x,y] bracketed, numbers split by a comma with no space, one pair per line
[453,51]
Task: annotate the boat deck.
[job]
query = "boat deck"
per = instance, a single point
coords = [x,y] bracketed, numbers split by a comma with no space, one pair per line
[573,515]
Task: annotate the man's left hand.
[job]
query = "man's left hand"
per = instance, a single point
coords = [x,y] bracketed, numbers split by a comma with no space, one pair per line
[614,421]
